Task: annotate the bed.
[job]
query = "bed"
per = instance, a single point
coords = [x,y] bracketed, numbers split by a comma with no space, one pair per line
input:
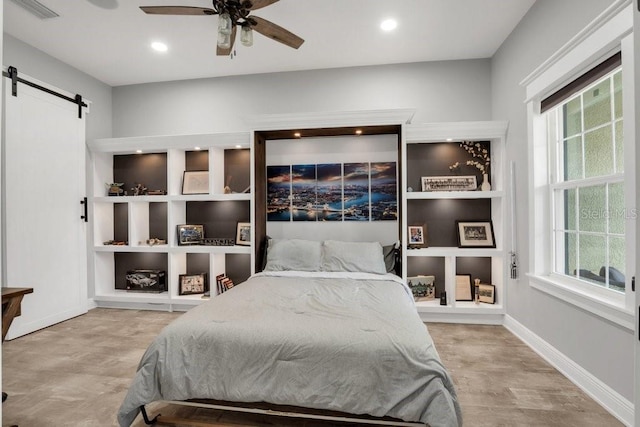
[325,326]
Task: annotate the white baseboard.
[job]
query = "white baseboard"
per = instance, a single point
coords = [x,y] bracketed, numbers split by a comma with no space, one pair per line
[604,395]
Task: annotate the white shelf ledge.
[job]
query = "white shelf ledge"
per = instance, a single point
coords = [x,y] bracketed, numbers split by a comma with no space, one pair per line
[432,195]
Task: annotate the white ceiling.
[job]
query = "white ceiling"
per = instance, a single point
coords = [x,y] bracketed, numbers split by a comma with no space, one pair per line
[109,39]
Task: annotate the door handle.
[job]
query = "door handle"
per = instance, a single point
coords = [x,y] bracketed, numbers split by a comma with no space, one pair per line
[86,212]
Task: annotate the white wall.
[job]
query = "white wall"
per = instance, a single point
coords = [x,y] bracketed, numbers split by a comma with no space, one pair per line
[440,91]
[37,64]
[605,350]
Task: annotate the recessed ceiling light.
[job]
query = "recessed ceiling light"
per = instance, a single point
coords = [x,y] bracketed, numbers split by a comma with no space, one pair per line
[389,24]
[359,132]
[297,134]
[139,151]
[449,139]
[238,146]
[196,148]
[159,47]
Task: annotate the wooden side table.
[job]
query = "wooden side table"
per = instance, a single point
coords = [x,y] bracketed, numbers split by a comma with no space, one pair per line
[11,300]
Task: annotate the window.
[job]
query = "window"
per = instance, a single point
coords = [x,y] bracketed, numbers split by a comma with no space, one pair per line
[582,191]
[586,156]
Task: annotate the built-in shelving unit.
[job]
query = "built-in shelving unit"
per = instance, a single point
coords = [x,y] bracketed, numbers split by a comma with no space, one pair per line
[159,163]
[430,150]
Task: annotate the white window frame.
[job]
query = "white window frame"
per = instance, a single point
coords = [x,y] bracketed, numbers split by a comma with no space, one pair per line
[607,34]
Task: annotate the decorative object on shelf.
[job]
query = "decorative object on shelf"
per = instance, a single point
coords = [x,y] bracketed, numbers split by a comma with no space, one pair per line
[423,288]
[449,183]
[156,192]
[139,190]
[153,241]
[455,168]
[146,281]
[247,190]
[417,236]
[227,188]
[114,243]
[475,234]
[190,234]
[409,189]
[115,189]
[243,234]
[487,293]
[218,241]
[480,153]
[464,287]
[191,284]
[195,182]
[476,293]
[223,283]
[443,298]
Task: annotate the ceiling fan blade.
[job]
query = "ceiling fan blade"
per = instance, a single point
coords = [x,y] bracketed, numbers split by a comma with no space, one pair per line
[259,4]
[276,32]
[177,10]
[227,52]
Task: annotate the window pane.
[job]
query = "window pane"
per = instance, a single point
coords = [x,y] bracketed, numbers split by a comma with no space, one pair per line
[598,152]
[569,199]
[573,158]
[616,209]
[597,105]
[617,263]
[592,253]
[591,202]
[619,147]
[572,115]
[566,242]
[617,94]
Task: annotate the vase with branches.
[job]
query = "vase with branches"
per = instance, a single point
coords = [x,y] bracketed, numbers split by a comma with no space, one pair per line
[480,160]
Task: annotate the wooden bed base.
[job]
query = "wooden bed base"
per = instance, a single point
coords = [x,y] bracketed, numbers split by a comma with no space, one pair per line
[272,410]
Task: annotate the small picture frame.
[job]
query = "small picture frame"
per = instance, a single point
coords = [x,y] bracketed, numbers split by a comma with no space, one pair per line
[449,183]
[475,234]
[423,288]
[189,234]
[417,236]
[192,284]
[487,293]
[464,287]
[243,234]
[195,182]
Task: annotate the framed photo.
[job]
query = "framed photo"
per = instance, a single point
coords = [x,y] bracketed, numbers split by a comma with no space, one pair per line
[487,293]
[417,236]
[195,182]
[464,287]
[243,233]
[190,234]
[449,183]
[475,234]
[191,284]
[423,288]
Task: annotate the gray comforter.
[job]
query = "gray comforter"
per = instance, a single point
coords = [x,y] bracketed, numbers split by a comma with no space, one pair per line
[336,341]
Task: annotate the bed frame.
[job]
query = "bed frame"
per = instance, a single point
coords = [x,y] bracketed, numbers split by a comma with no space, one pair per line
[271,410]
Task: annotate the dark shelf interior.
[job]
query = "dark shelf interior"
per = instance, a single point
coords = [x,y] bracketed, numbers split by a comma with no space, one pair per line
[147,169]
[478,267]
[125,261]
[428,266]
[219,218]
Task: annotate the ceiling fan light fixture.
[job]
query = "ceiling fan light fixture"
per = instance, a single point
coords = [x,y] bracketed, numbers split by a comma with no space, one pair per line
[224,23]
[246,36]
[224,40]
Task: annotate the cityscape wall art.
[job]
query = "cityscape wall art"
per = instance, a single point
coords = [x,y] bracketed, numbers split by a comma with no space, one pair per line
[333,192]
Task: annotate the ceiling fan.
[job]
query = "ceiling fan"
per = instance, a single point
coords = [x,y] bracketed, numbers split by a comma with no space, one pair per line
[231,15]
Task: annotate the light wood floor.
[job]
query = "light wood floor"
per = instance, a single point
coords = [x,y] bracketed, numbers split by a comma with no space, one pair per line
[76,373]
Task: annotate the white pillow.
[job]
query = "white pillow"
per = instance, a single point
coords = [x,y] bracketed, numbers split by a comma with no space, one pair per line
[293,255]
[365,257]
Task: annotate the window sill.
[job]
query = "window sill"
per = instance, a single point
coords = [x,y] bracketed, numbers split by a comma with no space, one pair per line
[588,301]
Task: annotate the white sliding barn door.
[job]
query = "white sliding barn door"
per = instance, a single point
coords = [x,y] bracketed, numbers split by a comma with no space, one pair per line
[44,180]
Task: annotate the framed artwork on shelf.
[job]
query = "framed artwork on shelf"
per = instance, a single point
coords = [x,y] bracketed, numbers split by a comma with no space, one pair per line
[243,234]
[191,284]
[449,183]
[189,234]
[195,182]
[487,293]
[417,236]
[464,287]
[423,288]
[475,234]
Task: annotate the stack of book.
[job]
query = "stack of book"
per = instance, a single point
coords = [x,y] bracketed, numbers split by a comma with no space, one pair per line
[224,283]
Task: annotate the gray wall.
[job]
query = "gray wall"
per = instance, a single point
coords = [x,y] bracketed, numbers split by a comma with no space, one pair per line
[440,91]
[602,348]
[37,64]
